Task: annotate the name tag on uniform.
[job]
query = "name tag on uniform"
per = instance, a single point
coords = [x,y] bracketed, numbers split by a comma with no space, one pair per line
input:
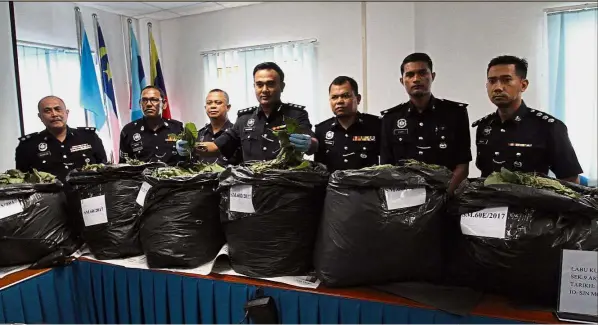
[512,144]
[483,141]
[400,131]
[80,147]
[368,138]
[43,154]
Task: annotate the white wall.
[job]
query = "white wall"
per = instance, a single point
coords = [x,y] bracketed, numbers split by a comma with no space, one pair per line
[9,123]
[338,52]
[461,38]
[53,23]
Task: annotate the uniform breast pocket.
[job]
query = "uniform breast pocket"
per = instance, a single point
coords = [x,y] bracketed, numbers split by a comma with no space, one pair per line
[401,136]
[527,157]
[249,140]
[83,157]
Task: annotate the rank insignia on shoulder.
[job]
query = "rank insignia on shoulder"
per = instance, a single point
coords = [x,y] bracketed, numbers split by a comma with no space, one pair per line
[246,110]
[296,106]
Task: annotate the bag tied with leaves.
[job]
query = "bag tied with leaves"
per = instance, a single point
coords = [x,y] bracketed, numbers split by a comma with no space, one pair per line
[180,219]
[382,224]
[105,196]
[33,218]
[514,227]
[270,211]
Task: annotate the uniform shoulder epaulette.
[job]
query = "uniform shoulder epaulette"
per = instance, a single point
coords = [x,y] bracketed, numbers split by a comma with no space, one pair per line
[476,123]
[393,109]
[543,116]
[28,136]
[295,106]
[246,110]
[453,103]
[87,128]
[370,116]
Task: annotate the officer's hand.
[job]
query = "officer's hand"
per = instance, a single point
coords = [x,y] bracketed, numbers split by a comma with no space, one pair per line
[181,148]
[203,148]
[301,142]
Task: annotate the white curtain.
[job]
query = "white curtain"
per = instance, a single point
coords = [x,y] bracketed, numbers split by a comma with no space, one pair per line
[52,71]
[46,72]
[232,71]
[572,56]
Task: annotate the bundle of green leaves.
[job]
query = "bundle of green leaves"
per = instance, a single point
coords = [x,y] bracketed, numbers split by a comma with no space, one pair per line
[188,134]
[194,169]
[15,176]
[287,158]
[98,167]
[506,176]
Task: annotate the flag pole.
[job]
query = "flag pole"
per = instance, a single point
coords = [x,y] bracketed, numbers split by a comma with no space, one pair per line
[102,86]
[79,40]
[130,57]
[149,42]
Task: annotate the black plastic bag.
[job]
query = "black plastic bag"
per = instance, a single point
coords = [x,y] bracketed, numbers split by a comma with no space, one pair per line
[117,235]
[538,224]
[180,224]
[277,238]
[382,225]
[36,226]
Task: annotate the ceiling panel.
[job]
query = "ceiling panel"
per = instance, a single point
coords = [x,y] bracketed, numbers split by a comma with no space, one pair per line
[237,4]
[122,8]
[161,15]
[171,5]
[198,9]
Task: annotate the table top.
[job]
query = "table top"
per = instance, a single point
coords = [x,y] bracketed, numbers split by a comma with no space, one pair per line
[490,306]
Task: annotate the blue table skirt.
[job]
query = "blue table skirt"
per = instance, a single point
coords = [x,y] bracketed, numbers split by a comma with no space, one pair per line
[87,292]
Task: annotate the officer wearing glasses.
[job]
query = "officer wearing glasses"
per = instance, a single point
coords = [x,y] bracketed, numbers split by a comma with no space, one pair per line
[146,139]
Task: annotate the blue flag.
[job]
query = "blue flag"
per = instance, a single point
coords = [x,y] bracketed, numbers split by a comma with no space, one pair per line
[91,97]
[137,78]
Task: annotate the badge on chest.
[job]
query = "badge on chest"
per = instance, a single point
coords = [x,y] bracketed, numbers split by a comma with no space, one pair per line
[80,147]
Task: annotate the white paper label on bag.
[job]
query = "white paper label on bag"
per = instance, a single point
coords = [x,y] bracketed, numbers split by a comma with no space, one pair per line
[241,199]
[94,210]
[10,207]
[400,199]
[490,222]
[142,193]
[579,283]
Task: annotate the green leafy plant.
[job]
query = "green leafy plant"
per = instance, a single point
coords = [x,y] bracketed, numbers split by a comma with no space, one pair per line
[195,169]
[288,157]
[15,176]
[188,134]
[506,176]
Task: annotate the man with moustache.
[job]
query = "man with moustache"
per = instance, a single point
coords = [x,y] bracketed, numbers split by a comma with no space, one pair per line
[252,132]
[146,139]
[426,128]
[59,148]
[350,139]
[217,108]
[517,137]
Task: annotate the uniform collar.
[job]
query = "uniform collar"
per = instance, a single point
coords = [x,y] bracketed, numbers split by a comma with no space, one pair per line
[162,123]
[358,120]
[227,125]
[521,112]
[260,110]
[70,132]
[411,109]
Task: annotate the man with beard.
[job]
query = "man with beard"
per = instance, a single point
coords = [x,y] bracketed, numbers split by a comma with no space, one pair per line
[517,137]
[217,108]
[426,128]
[146,139]
[252,132]
[59,148]
[350,139]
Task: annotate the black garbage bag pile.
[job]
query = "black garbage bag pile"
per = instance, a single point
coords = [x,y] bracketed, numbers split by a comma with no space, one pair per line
[270,216]
[383,224]
[105,198]
[515,227]
[33,219]
[180,224]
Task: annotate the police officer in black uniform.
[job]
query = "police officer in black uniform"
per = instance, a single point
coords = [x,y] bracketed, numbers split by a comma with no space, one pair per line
[146,139]
[516,136]
[252,131]
[350,139]
[59,148]
[427,129]
[217,108]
